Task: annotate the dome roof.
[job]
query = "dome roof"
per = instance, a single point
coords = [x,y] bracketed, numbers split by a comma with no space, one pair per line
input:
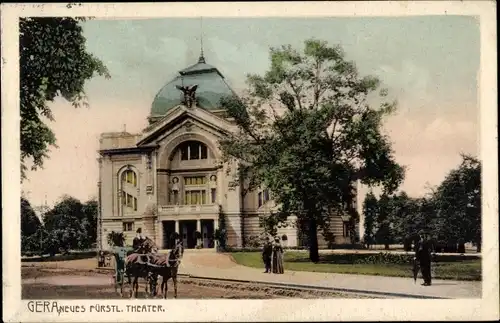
[211,88]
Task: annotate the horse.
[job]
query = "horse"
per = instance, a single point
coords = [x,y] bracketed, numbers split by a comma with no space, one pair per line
[167,267]
[137,265]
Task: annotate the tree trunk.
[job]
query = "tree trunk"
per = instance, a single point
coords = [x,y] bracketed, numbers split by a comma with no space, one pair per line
[386,246]
[313,241]
[479,246]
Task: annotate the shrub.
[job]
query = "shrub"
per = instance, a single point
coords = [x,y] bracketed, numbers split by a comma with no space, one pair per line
[451,246]
[253,241]
[387,258]
[220,236]
[348,246]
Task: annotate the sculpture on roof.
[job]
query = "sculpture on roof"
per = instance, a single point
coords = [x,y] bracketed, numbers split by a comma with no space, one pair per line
[189,92]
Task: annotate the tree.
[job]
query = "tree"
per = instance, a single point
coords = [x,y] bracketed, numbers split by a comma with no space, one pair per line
[458,202]
[30,223]
[269,224]
[384,232]
[53,62]
[307,130]
[65,223]
[220,233]
[90,210]
[370,211]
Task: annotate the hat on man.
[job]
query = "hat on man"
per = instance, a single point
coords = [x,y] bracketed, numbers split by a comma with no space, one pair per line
[139,230]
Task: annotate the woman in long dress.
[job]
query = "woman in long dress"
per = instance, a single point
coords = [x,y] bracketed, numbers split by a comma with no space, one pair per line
[277,257]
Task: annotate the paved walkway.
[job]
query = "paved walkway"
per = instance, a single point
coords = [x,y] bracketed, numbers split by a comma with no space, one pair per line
[214,265]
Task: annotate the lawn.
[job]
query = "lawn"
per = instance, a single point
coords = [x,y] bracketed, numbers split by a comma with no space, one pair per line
[298,261]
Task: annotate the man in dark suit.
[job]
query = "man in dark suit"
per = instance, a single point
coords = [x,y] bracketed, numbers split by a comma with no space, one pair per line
[138,240]
[267,252]
[423,251]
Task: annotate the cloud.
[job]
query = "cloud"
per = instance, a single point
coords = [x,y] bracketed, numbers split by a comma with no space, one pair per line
[430,147]
[237,61]
[407,79]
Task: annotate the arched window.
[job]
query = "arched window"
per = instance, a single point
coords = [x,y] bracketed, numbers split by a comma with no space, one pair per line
[128,184]
[193,150]
[130,177]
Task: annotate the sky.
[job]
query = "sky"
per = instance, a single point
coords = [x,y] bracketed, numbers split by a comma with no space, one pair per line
[429,63]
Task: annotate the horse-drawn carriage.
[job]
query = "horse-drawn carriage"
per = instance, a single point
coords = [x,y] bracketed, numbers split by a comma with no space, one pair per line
[147,263]
[120,254]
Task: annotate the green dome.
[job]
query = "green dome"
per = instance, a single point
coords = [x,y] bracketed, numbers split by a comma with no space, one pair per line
[211,88]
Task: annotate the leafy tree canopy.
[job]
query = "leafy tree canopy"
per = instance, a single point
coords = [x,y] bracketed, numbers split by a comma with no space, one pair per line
[450,214]
[67,223]
[90,210]
[458,200]
[53,62]
[30,223]
[307,129]
[370,211]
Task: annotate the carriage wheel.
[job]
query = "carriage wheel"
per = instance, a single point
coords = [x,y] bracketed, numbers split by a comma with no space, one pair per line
[119,276]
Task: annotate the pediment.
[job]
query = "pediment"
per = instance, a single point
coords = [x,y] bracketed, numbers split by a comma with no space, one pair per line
[187,118]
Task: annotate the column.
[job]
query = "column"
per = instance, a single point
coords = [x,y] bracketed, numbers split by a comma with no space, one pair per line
[216,226]
[198,228]
[177,227]
[159,234]
[219,189]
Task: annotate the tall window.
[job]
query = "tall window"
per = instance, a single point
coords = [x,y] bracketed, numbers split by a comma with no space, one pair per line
[129,201]
[213,194]
[192,150]
[130,177]
[263,197]
[195,180]
[195,197]
[128,189]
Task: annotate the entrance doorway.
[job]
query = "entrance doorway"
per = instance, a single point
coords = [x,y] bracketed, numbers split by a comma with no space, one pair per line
[168,230]
[188,229]
[207,233]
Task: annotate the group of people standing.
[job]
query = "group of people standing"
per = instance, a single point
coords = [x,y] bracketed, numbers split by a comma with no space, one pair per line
[272,255]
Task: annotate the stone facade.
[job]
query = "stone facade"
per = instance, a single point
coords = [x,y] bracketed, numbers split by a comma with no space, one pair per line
[170,179]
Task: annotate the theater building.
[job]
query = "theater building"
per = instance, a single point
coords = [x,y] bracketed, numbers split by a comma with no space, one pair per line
[169,178]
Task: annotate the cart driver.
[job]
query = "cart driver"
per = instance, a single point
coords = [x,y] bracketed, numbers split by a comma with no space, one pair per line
[138,240]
